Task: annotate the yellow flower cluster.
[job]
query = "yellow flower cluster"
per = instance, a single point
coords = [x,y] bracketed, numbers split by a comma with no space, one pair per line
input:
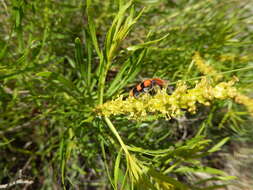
[164,105]
[208,70]
[232,57]
[204,68]
[182,99]
[246,101]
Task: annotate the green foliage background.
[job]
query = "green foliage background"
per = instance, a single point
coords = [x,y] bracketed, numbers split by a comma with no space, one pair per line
[60,59]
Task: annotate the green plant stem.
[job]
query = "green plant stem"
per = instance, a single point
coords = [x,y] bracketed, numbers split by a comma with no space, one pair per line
[102,77]
[113,129]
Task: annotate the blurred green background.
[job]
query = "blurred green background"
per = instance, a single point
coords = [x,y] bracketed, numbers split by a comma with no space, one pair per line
[58,61]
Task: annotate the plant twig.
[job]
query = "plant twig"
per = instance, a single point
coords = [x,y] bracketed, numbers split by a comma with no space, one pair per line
[17,182]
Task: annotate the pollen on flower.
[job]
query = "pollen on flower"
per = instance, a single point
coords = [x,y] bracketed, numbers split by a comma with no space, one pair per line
[183,98]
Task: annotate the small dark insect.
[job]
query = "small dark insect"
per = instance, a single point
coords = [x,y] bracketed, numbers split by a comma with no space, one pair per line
[147,86]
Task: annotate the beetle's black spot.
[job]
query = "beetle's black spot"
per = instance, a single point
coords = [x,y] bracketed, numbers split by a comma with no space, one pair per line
[136,93]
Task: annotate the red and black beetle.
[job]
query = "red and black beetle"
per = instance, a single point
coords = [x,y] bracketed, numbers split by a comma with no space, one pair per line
[147,86]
